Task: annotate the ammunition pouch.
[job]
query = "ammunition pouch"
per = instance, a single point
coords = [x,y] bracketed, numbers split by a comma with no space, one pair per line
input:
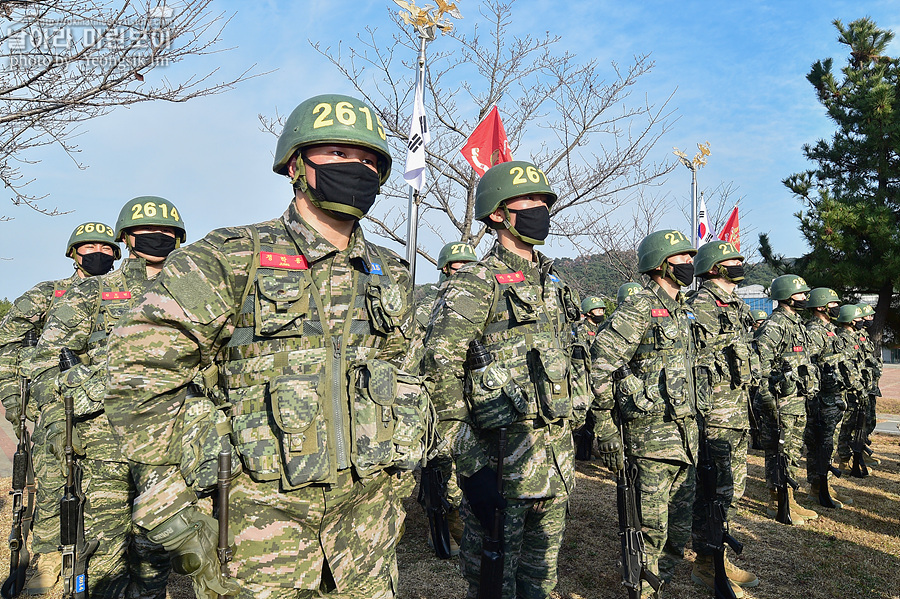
[495,399]
[738,356]
[551,381]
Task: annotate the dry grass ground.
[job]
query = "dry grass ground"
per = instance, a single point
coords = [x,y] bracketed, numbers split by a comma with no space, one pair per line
[852,553]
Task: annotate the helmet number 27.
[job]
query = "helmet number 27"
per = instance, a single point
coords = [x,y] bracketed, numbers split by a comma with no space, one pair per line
[675,237]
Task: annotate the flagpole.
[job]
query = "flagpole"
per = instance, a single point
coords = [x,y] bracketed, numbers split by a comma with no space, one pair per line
[412,225]
[694,165]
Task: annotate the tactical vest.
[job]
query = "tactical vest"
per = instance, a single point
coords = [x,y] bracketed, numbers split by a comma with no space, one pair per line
[308,400]
[660,381]
[731,351]
[114,299]
[529,378]
[802,377]
[831,380]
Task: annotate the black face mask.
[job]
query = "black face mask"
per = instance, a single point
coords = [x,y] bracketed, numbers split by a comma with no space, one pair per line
[683,274]
[597,319]
[834,312]
[158,245]
[798,304]
[97,263]
[867,324]
[532,224]
[735,274]
[859,324]
[346,190]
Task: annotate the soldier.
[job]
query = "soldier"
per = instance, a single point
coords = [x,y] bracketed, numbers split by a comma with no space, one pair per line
[824,410]
[151,228]
[788,378]
[625,291]
[593,310]
[725,373]
[647,342]
[93,252]
[313,335]
[858,381]
[513,306]
[451,258]
[875,366]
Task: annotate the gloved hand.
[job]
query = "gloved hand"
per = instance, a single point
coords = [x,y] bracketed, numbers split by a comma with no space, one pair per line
[191,537]
[611,452]
[481,492]
[765,399]
[13,411]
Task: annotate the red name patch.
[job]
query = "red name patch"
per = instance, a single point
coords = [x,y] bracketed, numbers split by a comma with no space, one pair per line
[830,334]
[273,260]
[798,348]
[114,295]
[59,292]
[855,347]
[511,277]
[591,333]
[658,313]
[721,304]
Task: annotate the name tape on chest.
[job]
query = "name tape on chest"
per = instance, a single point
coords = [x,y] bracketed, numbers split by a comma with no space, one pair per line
[115,295]
[721,304]
[797,348]
[282,261]
[59,292]
[510,277]
[659,313]
[830,334]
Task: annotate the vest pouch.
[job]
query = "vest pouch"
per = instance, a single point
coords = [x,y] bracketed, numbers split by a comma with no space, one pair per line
[204,431]
[581,381]
[412,416]
[739,363]
[302,429]
[385,305]
[568,304]
[281,298]
[830,378]
[787,385]
[552,383]
[677,391]
[523,302]
[494,398]
[665,333]
[704,386]
[112,312]
[86,386]
[631,397]
[252,434]
[373,388]
[808,381]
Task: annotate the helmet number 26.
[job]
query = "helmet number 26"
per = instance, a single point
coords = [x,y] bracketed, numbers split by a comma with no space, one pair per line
[534,175]
[343,112]
[149,210]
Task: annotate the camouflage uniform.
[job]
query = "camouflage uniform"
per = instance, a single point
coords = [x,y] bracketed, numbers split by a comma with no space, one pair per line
[825,409]
[656,405]
[782,345]
[81,321]
[857,389]
[523,313]
[29,312]
[313,347]
[875,365]
[724,352]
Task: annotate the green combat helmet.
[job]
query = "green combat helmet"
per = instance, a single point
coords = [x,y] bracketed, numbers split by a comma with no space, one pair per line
[849,313]
[820,297]
[866,309]
[331,118]
[589,303]
[457,251]
[710,254]
[150,210]
[92,233]
[506,181]
[759,315]
[625,291]
[659,246]
[785,286]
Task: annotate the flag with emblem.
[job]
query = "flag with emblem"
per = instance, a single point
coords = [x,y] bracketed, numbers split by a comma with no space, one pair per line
[415,146]
[704,233]
[488,144]
[731,232]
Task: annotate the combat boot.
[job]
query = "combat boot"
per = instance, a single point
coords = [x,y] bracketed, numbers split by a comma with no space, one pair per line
[704,573]
[872,461]
[797,509]
[845,466]
[740,577]
[46,574]
[838,496]
[772,509]
[814,494]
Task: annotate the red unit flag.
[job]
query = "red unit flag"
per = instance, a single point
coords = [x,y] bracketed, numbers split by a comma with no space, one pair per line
[487,145]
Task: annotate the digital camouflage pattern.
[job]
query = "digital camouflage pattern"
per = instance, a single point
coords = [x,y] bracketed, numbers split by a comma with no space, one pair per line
[316,349]
[655,404]
[875,365]
[829,351]
[858,385]
[81,321]
[788,375]
[726,364]
[523,313]
[29,312]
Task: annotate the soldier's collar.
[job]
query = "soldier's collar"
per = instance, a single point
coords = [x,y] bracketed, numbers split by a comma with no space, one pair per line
[313,245]
[513,260]
[667,301]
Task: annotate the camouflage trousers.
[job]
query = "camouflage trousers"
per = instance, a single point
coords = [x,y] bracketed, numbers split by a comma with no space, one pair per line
[823,418]
[448,471]
[336,541]
[871,419]
[125,561]
[667,499]
[849,426]
[49,481]
[793,426]
[532,534]
[728,447]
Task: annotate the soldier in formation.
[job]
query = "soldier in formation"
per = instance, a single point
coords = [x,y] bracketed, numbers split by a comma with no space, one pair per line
[859,382]
[874,364]
[514,311]
[93,251]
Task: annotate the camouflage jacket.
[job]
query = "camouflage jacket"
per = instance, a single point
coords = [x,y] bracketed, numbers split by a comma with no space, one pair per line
[826,350]
[523,314]
[725,357]
[81,321]
[28,312]
[650,334]
[314,348]
[853,367]
[786,370]
[873,361]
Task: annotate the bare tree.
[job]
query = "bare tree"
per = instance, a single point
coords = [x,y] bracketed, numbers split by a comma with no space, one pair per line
[67,61]
[589,135]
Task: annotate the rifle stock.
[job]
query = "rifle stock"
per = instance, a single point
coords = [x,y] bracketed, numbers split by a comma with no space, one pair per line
[633,564]
[223,488]
[859,468]
[433,498]
[22,493]
[490,585]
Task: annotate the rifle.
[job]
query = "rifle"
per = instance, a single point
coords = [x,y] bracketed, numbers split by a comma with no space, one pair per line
[824,442]
[223,485]
[633,564]
[859,468]
[755,442]
[75,550]
[782,478]
[717,535]
[490,584]
[22,481]
[433,498]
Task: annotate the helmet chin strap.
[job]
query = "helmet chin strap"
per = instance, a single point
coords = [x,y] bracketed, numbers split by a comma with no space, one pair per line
[299,178]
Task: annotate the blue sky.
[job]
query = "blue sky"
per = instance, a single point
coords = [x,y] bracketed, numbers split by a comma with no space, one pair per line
[737,69]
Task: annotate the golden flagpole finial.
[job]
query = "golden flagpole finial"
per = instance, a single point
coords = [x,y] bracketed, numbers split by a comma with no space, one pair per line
[422,19]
